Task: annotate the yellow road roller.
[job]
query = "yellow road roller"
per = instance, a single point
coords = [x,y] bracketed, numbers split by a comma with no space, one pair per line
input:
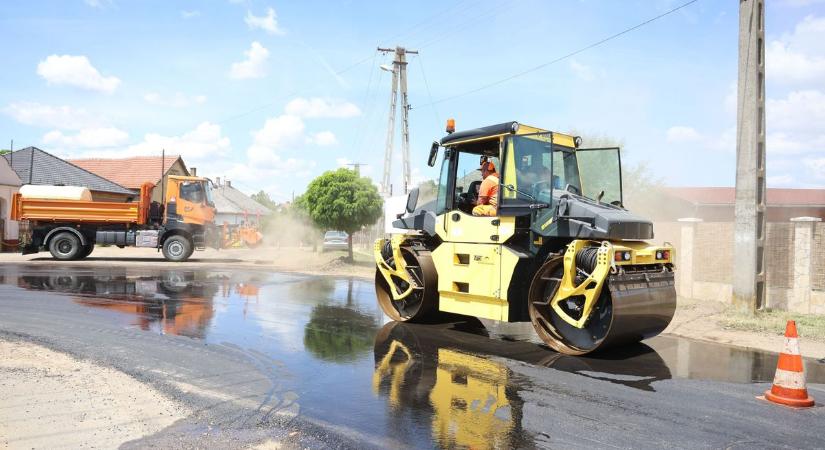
[528,226]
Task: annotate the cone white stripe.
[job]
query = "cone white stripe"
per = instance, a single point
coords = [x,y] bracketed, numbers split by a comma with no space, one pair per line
[789,379]
[791,346]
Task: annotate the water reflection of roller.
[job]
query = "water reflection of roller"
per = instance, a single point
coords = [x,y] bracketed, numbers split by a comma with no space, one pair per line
[470,398]
[176,302]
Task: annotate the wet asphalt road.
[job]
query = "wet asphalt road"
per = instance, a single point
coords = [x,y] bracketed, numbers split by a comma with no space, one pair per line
[312,360]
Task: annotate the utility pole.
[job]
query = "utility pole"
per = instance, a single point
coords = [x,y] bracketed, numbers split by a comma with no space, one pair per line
[749,233]
[399,79]
[357,167]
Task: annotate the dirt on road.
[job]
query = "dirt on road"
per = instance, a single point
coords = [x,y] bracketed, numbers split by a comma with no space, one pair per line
[52,400]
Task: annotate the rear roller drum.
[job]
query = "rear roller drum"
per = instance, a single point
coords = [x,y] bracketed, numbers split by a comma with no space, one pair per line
[422,301]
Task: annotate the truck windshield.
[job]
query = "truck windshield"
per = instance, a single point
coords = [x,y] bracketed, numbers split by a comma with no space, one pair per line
[528,166]
[192,191]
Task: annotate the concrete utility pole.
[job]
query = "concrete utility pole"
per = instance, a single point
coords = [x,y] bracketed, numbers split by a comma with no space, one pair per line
[357,167]
[399,77]
[749,235]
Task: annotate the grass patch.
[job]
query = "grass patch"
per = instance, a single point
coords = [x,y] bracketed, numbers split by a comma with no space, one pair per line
[810,326]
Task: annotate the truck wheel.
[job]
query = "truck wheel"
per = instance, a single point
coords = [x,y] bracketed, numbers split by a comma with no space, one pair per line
[65,246]
[86,251]
[177,249]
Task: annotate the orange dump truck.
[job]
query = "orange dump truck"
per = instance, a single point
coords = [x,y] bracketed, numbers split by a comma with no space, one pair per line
[66,222]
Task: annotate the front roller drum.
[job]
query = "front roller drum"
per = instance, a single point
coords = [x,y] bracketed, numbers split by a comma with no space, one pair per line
[631,307]
[422,302]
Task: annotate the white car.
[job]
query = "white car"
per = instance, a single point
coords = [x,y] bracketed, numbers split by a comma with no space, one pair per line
[335,240]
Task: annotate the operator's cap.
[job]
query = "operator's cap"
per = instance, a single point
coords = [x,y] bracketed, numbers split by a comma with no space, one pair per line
[486,162]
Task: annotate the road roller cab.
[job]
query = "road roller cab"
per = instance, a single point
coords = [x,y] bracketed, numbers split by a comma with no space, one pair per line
[561,250]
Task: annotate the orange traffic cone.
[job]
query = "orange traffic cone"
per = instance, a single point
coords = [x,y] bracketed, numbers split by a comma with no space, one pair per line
[789,383]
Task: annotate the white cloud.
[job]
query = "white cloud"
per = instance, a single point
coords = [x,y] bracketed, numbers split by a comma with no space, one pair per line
[205,142]
[87,138]
[788,66]
[268,23]
[798,57]
[680,134]
[801,2]
[253,65]
[176,100]
[190,14]
[323,139]
[75,71]
[322,108]
[343,162]
[800,110]
[816,167]
[97,3]
[47,116]
[582,71]
[277,134]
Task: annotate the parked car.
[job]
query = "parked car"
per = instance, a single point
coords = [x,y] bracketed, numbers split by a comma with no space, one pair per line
[335,240]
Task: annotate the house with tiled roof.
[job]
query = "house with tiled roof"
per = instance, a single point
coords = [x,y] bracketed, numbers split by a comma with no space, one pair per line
[133,172]
[234,207]
[35,166]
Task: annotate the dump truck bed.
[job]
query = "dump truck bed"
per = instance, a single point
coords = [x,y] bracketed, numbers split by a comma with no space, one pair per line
[75,211]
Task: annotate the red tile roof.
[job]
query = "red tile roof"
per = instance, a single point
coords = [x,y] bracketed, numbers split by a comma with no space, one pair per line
[128,172]
[727,196]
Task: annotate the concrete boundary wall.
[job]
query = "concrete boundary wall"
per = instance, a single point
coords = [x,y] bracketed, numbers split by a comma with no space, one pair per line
[794,254]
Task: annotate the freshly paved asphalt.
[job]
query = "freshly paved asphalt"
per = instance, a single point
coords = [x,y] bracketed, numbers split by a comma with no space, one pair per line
[312,362]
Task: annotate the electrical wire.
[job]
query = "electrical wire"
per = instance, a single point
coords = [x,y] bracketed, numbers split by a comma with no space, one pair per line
[566,56]
[429,93]
[358,131]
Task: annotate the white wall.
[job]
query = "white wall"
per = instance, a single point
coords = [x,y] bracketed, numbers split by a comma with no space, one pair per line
[10,227]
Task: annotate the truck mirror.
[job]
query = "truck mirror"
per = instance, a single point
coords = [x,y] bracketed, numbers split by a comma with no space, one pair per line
[433,154]
[412,200]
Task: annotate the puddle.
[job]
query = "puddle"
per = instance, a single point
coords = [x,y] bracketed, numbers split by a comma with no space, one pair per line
[409,383]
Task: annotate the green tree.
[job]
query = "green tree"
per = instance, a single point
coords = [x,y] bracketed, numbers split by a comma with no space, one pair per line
[4,152]
[341,200]
[264,199]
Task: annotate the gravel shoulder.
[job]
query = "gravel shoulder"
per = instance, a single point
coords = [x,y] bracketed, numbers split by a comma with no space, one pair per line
[52,400]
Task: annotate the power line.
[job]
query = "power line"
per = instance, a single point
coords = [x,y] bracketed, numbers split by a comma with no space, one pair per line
[568,55]
[295,92]
[429,93]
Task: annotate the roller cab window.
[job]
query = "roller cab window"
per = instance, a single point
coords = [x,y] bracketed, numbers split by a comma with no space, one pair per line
[460,179]
[534,167]
[601,174]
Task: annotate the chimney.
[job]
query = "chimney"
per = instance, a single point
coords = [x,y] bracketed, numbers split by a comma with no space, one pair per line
[228,183]
[194,171]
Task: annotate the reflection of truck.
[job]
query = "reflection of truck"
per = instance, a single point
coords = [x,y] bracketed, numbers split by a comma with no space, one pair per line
[65,221]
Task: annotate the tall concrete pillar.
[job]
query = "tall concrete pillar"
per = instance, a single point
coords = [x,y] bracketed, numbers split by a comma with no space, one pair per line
[803,245]
[687,247]
[749,234]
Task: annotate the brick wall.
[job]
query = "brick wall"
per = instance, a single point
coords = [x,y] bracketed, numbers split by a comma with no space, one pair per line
[713,252]
[818,263]
[779,250]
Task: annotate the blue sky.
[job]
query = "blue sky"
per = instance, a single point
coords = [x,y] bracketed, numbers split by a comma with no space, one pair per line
[250,90]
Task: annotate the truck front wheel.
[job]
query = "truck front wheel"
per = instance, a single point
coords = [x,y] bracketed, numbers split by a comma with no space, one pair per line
[177,249]
[65,246]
